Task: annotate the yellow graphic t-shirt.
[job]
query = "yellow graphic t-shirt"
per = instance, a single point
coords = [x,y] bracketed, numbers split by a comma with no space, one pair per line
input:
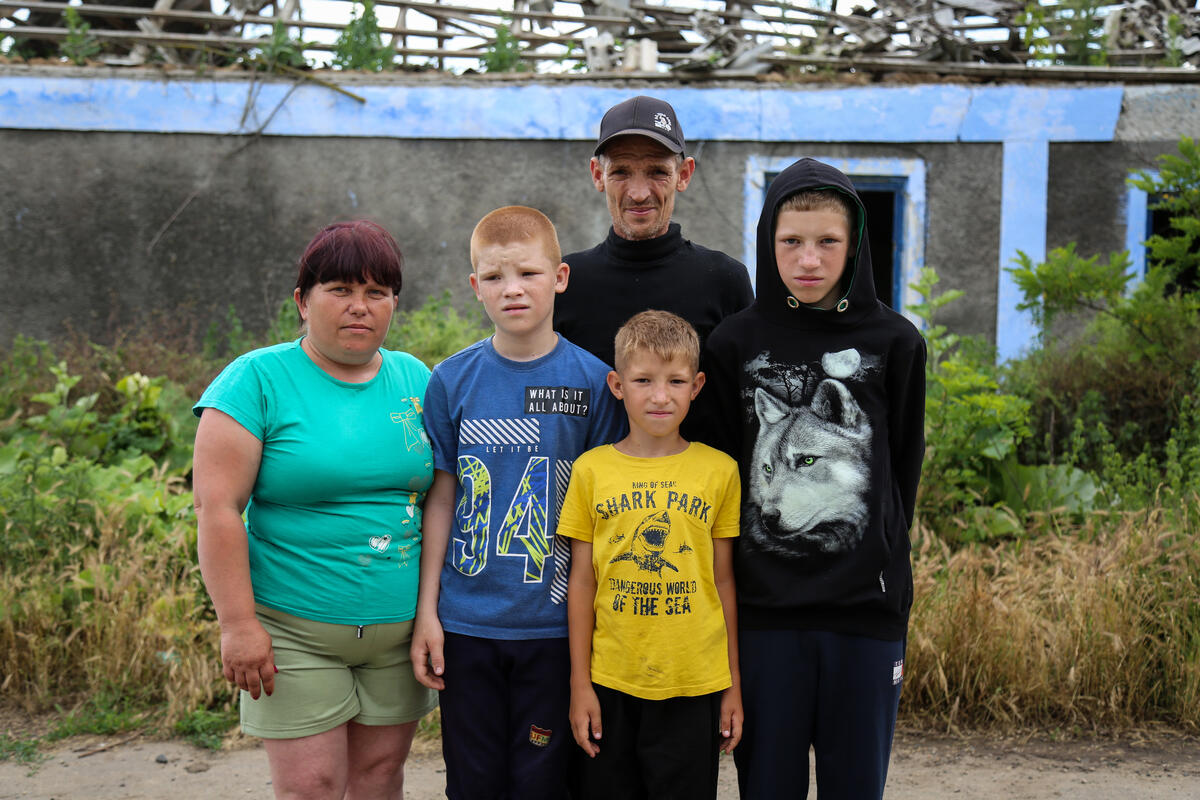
[660,631]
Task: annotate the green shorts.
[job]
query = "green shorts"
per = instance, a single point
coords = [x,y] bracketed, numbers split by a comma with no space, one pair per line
[332,674]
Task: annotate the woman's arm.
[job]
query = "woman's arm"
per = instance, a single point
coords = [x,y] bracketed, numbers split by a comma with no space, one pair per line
[428,659]
[224,469]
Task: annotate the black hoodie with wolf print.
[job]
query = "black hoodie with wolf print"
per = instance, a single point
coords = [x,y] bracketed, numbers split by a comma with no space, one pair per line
[824,411]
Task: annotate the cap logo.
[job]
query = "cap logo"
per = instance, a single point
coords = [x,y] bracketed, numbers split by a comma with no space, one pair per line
[661,120]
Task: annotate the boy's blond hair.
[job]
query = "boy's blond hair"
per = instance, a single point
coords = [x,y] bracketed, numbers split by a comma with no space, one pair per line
[823,200]
[515,224]
[662,333]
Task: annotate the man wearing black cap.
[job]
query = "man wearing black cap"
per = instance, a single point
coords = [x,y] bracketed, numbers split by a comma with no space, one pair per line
[645,262]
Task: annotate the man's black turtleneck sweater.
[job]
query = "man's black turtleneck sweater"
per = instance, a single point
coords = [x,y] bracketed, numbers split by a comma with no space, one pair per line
[619,277]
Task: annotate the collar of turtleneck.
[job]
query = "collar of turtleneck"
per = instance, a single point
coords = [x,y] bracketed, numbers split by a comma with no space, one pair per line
[645,249]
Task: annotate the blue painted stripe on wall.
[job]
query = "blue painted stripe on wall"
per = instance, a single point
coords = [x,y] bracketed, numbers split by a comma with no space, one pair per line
[910,114]
[1026,113]
[1022,227]
[931,113]
[1136,233]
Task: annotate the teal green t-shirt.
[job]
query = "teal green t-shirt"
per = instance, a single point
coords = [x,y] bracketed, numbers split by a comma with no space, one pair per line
[334,520]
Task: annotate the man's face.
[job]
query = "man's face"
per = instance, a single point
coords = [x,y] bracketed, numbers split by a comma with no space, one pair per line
[640,178]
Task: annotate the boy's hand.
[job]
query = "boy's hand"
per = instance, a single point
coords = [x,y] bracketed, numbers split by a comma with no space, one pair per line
[428,660]
[731,719]
[585,718]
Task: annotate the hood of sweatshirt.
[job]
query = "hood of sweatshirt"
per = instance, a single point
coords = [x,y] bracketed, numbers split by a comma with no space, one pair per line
[856,297]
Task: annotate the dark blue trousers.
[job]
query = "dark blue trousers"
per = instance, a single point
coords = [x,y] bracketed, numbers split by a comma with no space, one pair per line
[505,727]
[835,693]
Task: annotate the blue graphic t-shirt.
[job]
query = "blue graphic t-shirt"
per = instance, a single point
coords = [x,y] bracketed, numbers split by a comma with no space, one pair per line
[334,519]
[509,432]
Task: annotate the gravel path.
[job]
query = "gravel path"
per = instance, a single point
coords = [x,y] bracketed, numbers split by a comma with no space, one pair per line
[923,768]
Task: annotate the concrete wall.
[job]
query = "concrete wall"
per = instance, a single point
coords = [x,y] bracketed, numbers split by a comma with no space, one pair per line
[96,167]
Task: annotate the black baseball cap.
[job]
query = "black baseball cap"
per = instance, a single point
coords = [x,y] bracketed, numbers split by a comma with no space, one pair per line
[642,116]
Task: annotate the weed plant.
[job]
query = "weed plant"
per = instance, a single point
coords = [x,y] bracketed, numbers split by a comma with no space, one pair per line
[360,45]
[972,487]
[282,50]
[80,45]
[205,728]
[503,54]
[22,751]
[1069,32]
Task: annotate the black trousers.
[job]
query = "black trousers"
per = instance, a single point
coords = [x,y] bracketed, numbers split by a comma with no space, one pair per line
[505,730]
[651,749]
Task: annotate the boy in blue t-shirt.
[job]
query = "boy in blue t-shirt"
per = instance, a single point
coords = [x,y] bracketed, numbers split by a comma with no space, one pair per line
[506,417]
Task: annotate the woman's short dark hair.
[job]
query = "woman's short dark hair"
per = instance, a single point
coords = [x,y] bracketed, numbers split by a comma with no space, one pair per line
[354,252]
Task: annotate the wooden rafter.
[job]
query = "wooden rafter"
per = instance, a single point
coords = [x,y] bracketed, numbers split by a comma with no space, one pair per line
[977,36]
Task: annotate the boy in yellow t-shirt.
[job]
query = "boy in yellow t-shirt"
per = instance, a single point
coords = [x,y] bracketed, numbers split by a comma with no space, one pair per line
[650,602]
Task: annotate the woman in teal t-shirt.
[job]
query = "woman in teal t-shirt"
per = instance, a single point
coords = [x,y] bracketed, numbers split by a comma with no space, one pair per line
[321,443]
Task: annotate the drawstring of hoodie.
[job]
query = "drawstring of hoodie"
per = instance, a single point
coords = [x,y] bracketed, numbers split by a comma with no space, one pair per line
[842,305]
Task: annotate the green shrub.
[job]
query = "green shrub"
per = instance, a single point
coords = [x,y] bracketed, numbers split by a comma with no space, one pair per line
[437,330]
[1119,398]
[63,468]
[1176,189]
[972,430]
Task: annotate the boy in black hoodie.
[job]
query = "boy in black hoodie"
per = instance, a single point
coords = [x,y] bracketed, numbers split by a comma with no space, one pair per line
[818,390]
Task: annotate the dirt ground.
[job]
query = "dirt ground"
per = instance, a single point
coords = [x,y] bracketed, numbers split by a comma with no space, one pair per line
[923,766]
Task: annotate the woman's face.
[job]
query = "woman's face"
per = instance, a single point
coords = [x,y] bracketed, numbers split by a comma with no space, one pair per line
[346,321]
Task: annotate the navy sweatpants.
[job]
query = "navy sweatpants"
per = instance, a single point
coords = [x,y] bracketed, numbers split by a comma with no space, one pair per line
[505,727]
[836,693]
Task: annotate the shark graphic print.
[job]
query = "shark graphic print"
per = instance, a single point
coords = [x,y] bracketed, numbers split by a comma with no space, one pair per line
[810,468]
[649,541]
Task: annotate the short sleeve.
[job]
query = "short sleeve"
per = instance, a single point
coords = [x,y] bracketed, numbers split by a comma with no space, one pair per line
[443,436]
[416,374]
[575,520]
[609,421]
[728,520]
[241,391]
